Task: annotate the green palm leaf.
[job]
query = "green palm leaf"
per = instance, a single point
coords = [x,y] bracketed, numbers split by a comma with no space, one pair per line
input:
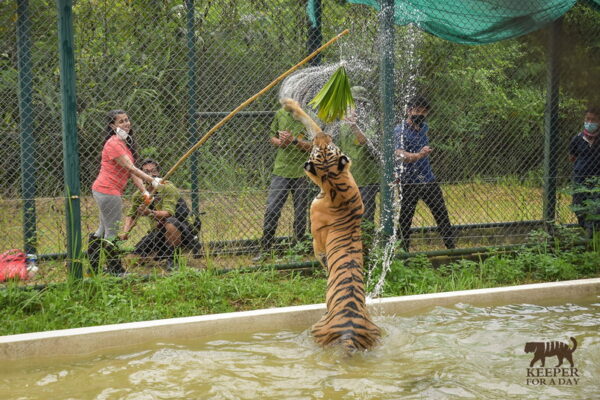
[334,98]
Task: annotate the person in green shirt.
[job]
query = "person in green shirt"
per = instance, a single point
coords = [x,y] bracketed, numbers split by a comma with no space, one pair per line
[289,137]
[170,221]
[365,163]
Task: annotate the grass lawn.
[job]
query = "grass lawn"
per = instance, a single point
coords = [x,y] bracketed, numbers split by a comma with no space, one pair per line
[190,291]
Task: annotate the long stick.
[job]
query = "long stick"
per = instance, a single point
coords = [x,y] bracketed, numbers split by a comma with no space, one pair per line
[249,101]
[244,105]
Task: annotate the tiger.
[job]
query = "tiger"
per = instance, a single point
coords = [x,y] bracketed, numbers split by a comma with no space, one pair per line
[335,216]
[541,350]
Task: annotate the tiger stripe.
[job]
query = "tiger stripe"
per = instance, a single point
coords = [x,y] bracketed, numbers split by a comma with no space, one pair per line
[335,215]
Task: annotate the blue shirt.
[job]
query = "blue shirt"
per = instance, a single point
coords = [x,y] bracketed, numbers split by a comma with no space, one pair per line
[587,158]
[411,140]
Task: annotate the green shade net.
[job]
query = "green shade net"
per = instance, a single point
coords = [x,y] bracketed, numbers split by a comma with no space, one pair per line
[474,21]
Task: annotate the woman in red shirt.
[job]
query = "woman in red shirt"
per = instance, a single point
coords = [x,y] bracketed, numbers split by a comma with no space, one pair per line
[117,166]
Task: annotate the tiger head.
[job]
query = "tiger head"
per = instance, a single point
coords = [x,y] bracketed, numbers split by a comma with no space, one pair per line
[327,166]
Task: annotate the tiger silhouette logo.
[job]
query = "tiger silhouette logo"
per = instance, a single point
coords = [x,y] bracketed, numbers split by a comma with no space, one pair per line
[541,350]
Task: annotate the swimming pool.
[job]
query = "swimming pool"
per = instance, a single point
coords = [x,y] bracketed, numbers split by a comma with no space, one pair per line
[440,346]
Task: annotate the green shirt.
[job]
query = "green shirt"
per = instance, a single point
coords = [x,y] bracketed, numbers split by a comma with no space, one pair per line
[365,166]
[289,161]
[165,199]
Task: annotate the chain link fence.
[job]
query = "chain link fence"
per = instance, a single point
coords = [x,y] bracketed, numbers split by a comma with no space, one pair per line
[177,67]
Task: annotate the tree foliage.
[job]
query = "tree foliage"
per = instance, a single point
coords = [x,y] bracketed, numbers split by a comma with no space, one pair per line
[488,100]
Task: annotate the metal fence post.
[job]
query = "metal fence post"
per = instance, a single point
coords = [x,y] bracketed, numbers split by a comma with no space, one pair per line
[192,103]
[386,34]
[70,141]
[315,35]
[28,170]
[551,125]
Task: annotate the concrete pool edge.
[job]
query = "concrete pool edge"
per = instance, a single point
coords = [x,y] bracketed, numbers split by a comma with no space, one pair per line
[78,341]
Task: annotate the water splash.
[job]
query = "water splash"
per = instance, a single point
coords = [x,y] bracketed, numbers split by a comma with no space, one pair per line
[304,85]
[406,76]
[361,66]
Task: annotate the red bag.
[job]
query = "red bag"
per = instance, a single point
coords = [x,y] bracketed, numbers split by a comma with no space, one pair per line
[13,264]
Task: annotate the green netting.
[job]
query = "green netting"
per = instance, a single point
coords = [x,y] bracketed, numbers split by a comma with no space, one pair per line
[473,21]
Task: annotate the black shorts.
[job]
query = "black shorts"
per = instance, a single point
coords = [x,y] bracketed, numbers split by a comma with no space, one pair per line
[154,243]
[187,234]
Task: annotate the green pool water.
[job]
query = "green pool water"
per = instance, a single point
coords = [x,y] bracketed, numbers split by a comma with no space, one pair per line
[461,352]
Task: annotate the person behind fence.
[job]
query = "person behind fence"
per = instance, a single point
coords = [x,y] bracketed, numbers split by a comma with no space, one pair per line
[116,167]
[416,177]
[365,165]
[289,137]
[584,152]
[170,219]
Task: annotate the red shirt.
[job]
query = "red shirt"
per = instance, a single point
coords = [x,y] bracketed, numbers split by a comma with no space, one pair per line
[112,178]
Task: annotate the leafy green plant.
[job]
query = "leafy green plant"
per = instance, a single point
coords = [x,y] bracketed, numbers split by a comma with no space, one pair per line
[297,251]
[503,270]
[335,98]
[589,208]
[553,269]
[539,239]
[419,261]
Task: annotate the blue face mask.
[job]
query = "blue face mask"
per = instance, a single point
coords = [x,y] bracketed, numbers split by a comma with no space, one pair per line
[591,127]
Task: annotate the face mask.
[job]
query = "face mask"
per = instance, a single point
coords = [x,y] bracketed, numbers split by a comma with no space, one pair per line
[121,134]
[417,119]
[590,127]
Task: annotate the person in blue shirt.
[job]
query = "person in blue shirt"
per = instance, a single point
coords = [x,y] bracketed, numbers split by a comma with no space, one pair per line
[584,152]
[416,178]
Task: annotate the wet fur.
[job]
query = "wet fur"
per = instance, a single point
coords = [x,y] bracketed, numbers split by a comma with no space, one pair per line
[335,216]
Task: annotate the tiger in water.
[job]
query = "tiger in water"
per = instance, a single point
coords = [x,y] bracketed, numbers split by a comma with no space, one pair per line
[335,216]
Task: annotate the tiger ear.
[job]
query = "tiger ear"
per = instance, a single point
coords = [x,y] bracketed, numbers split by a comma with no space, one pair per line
[343,162]
[310,168]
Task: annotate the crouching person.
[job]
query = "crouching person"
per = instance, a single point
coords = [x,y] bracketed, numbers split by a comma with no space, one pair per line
[169,214]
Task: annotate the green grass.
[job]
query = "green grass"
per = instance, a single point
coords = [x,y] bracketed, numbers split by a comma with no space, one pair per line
[106,300]
[189,291]
[417,276]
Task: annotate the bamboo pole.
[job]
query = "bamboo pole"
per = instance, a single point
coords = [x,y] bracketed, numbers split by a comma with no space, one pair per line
[241,107]
[249,101]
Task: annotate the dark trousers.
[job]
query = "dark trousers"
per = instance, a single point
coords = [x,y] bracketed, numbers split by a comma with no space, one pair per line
[368,194]
[431,194]
[278,192]
[155,244]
